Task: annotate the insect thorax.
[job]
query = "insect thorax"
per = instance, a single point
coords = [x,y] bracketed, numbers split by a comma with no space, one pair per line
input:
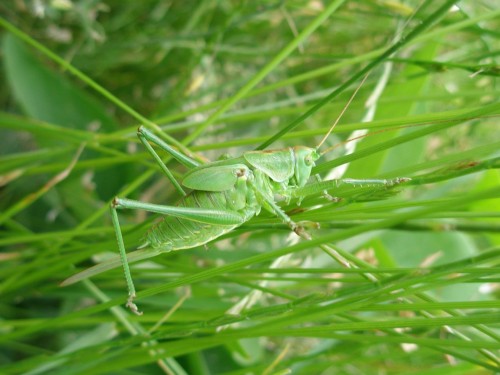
[268,174]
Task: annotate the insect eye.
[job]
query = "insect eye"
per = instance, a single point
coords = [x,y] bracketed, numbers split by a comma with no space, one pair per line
[308,160]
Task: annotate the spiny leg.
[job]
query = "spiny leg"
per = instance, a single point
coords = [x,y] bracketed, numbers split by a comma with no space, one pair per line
[317,188]
[373,189]
[325,192]
[145,136]
[374,182]
[325,185]
[209,216]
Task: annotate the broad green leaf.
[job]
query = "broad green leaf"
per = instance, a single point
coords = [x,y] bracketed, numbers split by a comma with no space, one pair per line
[48,95]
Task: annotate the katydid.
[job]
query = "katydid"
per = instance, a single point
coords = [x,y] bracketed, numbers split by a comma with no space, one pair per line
[224,195]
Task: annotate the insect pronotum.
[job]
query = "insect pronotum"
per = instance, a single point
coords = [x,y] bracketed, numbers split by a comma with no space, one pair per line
[224,195]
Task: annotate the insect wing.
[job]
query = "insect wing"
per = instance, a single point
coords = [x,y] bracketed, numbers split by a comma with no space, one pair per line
[277,164]
[217,178]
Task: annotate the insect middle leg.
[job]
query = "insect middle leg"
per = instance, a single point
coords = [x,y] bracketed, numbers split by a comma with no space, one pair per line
[145,136]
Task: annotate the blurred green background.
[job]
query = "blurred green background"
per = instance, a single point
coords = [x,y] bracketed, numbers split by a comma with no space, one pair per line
[398,279]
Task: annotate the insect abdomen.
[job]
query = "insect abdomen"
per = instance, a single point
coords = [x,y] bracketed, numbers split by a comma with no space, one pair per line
[173,233]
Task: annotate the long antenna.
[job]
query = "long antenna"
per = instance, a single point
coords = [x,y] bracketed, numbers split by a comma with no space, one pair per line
[392,128]
[342,112]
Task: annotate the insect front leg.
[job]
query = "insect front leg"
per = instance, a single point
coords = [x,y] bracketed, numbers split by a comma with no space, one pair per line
[325,192]
[265,197]
[326,185]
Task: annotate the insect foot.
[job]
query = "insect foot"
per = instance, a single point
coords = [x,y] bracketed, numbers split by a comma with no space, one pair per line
[331,198]
[309,224]
[132,306]
[300,228]
[300,231]
[115,202]
[398,180]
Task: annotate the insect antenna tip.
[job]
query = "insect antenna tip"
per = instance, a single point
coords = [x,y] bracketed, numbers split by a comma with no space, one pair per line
[342,112]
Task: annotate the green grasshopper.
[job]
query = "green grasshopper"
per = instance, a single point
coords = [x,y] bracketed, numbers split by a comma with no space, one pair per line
[224,195]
